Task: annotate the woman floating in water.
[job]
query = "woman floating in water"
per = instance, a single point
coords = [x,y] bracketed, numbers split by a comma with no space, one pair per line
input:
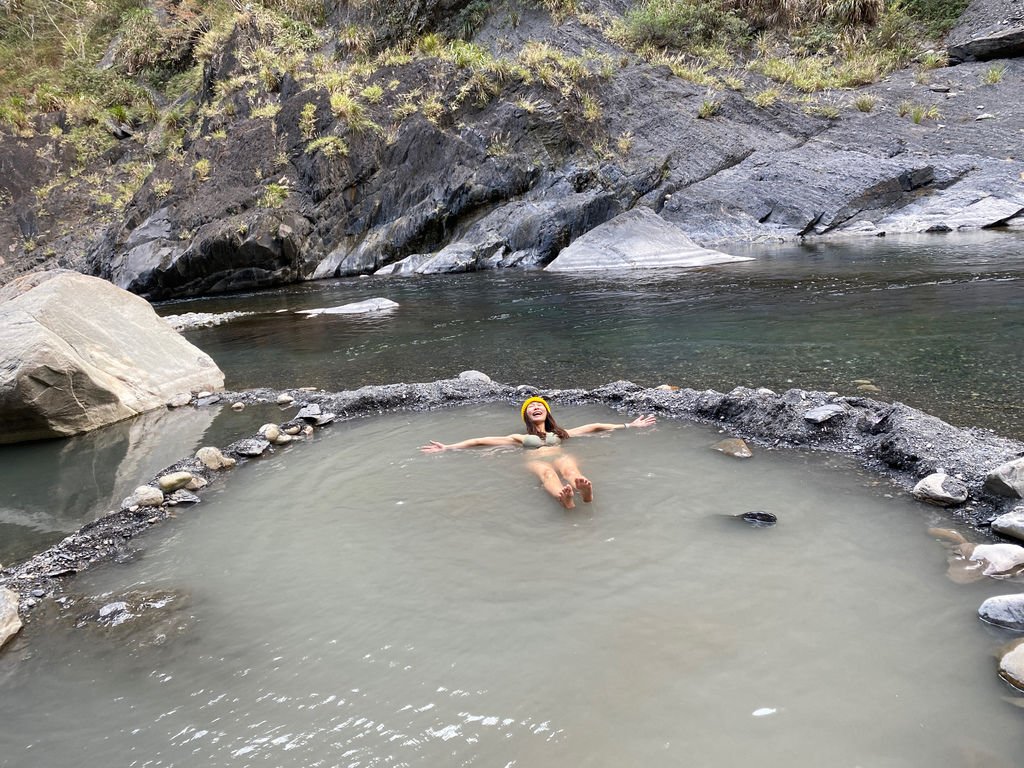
[560,476]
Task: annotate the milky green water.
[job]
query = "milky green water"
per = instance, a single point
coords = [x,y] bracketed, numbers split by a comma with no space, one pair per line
[352,602]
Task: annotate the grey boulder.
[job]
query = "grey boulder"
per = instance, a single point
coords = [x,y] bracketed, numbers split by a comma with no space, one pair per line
[1007,479]
[10,622]
[77,353]
[1010,524]
[1004,611]
[941,490]
[636,239]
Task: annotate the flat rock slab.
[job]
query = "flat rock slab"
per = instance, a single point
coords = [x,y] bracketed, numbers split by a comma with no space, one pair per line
[823,413]
[988,29]
[637,239]
[356,308]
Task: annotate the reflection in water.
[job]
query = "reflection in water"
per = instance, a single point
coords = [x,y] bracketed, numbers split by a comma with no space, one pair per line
[356,603]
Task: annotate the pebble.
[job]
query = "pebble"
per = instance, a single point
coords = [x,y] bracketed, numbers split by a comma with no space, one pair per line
[38,593]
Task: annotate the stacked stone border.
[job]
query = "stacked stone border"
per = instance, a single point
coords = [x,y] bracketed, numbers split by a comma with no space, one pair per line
[892,439]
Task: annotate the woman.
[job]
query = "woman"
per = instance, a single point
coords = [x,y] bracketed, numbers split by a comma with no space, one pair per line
[561,477]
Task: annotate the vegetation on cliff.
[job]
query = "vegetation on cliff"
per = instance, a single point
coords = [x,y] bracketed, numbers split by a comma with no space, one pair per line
[118,98]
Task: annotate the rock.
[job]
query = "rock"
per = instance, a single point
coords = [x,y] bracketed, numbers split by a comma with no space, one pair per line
[941,490]
[987,29]
[238,406]
[144,496]
[250,447]
[475,376]
[868,388]
[1004,611]
[638,238]
[202,401]
[180,400]
[10,622]
[181,496]
[191,320]
[77,353]
[667,387]
[282,439]
[270,431]
[1011,666]
[293,430]
[824,412]
[285,399]
[356,308]
[1007,479]
[196,483]
[758,519]
[173,481]
[998,559]
[212,458]
[1010,524]
[733,446]
[310,412]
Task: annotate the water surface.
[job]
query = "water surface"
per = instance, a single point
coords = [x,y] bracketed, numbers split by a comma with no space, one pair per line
[356,603]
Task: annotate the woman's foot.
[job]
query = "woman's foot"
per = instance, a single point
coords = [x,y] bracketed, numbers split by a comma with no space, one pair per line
[586,488]
[566,497]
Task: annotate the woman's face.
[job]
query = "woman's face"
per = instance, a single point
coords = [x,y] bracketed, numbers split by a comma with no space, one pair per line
[536,412]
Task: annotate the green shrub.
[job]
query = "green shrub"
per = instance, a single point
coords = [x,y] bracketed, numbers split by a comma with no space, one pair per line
[679,24]
[994,74]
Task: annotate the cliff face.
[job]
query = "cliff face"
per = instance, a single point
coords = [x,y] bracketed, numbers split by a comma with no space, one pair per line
[379,136]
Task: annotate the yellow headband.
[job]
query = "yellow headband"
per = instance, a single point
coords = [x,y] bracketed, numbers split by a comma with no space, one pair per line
[541,400]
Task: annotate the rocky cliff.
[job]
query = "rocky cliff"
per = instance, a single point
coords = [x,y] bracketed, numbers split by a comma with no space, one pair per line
[492,135]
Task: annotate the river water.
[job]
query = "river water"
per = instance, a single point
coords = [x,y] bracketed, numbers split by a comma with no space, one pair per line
[353,602]
[356,603]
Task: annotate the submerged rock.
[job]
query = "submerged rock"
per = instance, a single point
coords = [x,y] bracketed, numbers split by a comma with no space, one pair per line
[941,490]
[10,622]
[758,519]
[733,446]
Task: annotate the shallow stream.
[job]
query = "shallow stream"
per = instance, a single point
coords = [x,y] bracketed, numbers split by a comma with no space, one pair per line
[356,603]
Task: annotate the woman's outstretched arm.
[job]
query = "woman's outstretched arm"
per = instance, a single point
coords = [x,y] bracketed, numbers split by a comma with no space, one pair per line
[638,423]
[474,442]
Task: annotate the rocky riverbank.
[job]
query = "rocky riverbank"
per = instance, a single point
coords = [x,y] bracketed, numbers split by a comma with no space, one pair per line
[503,150]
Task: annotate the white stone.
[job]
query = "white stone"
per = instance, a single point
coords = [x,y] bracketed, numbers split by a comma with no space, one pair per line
[238,406]
[285,399]
[999,559]
[1011,666]
[270,431]
[212,458]
[1004,611]
[10,622]
[475,376]
[356,308]
[638,238]
[146,496]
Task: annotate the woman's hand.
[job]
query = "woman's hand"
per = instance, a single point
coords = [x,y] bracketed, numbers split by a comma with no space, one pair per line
[642,421]
[434,447]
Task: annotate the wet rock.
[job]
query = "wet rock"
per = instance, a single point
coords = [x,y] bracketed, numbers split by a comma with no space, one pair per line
[823,413]
[135,618]
[998,560]
[250,447]
[1011,665]
[191,320]
[356,308]
[285,399]
[475,376]
[238,406]
[758,519]
[868,388]
[1004,611]
[1010,524]
[282,439]
[293,430]
[172,481]
[10,622]
[941,490]
[212,458]
[313,413]
[181,496]
[638,238]
[144,496]
[202,402]
[196,483]
[1007,480]
[270,431]
[733,446]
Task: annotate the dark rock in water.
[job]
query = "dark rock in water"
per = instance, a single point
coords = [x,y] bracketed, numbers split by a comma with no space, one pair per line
[758,519]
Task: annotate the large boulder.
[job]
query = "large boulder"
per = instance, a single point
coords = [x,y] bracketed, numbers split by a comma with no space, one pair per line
[10,622]
[988,29]
[77,353]
[638,238]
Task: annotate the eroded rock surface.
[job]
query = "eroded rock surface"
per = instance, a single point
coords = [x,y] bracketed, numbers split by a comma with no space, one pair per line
[77,353]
